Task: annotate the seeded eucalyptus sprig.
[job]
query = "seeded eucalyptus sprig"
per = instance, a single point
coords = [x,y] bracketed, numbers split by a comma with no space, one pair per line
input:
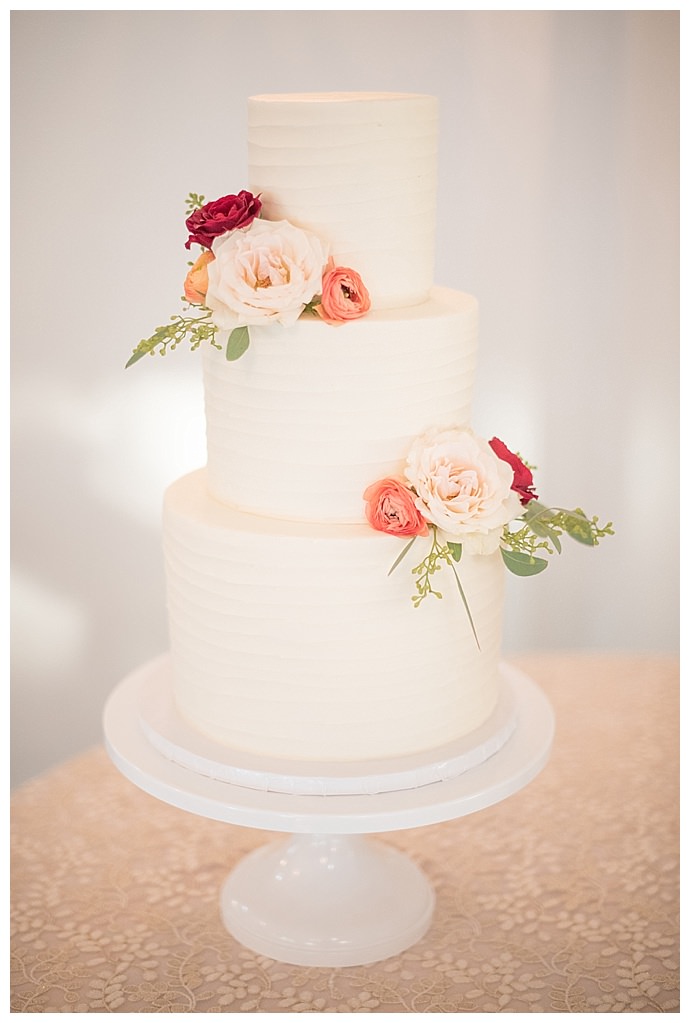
[540,529]
[440,554]
[194,202]
[195,329]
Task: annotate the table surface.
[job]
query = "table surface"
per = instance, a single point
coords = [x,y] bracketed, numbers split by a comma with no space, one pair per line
[563,898]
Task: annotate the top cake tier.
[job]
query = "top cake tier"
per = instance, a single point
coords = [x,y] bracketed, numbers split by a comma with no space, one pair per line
[359,171]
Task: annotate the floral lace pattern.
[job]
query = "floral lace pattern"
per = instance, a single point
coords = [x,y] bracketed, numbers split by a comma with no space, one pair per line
[563,898]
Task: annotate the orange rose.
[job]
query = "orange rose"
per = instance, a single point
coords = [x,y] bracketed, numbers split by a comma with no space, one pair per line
[196,281]
[391,508]
[343,296]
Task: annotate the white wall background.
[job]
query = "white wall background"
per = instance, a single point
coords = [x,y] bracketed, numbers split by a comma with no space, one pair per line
[558,208]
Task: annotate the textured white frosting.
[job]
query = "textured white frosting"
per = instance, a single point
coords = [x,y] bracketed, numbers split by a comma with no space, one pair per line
[312,414]
[288,637]
[178,740]
[291,640]
[359,170]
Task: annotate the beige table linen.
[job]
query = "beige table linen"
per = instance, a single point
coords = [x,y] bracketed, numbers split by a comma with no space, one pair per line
[563,898]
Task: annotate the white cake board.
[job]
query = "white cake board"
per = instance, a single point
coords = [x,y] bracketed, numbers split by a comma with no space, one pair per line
[327,896]
[180,742]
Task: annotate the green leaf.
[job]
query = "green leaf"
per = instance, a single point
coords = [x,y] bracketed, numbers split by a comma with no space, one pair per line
[138,354]
[238,343]
[401,555]
[523,564]
[535,508]
[578,527]
[455,550]
[538,518]
[464,600]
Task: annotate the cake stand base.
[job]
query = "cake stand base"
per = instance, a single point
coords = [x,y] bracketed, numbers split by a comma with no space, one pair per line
[327,900]
[328,896]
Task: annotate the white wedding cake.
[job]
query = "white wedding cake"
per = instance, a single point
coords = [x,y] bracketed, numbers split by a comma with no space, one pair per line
[288,636]
[338,388]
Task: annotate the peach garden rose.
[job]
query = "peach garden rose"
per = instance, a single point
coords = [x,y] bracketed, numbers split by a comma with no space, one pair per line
[463,488]
[264,274]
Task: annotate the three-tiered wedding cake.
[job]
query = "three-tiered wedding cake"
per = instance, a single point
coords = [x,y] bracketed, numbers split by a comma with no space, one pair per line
[289,637]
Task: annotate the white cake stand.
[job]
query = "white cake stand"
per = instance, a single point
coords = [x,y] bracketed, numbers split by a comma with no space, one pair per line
[328,896]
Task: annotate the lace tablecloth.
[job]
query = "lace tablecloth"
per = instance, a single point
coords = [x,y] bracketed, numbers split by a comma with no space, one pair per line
[563,898]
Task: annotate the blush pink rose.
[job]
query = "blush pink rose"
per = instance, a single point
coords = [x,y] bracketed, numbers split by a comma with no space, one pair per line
[196,281]
[265,274]
[220,216]
[343,296]
[462,487]
[390,508]
[523,481]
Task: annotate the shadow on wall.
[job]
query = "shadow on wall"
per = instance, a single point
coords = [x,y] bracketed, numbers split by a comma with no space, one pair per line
[88,589]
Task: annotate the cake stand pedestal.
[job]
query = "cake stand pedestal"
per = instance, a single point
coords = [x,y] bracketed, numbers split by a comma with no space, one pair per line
[328,896]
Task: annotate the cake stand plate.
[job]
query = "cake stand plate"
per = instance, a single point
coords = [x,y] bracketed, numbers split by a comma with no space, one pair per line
[328,896]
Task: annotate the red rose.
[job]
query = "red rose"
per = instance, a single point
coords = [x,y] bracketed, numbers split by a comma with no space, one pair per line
[523,482]
[391,509]
[223,215]
[343,296]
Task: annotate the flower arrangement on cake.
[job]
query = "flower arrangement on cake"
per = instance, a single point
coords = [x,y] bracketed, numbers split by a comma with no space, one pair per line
[472,496]
[253,272]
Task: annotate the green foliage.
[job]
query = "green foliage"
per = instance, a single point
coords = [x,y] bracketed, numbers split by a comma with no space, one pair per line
[537,532]
[538,520]
[195,329]
[455,550]
[520,563]
[440,554]
[539,529]
[194,202]
[238,343]
[402,554]
[458,546]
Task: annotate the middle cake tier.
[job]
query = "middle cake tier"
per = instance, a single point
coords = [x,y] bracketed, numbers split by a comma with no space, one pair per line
[312,414]
[292,640]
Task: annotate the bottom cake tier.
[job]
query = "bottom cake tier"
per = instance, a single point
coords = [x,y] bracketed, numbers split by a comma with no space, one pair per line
[292,640]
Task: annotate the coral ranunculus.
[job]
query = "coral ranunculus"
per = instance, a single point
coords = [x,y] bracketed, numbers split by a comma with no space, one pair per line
[390,508]
[523,481]
[196,281]
[343,296]
[220,216]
